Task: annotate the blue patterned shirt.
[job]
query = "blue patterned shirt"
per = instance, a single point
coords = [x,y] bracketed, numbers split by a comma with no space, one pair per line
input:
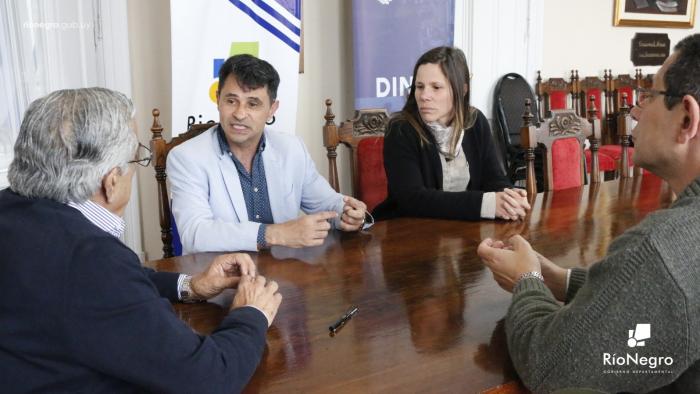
[253,185]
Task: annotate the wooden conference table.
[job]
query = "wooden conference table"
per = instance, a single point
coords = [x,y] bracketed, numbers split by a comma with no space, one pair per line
[430,314]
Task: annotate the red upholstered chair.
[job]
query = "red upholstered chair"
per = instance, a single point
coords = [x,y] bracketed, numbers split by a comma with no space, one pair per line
[615,148]
[590,86]
[593,86]
[625,91]
[364,135]
[589,93]
[562,137]
[606,163]
[615,89]
[552,94]
[620,91]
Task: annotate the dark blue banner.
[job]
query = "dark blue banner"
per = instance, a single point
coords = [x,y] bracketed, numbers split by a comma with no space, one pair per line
[389,36]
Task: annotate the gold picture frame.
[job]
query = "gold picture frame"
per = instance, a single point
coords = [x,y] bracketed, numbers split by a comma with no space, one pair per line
[655,13]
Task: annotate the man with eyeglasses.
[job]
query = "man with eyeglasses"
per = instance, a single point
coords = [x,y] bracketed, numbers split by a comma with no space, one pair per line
[143,156]
[631,323]
[78,312]
[240,186]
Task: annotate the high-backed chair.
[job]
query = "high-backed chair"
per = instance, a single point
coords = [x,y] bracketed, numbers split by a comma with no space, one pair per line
[625,91]
[625,123]
[508,98]
[589,96]
[562,137]
[552,94]
[160,149]
[587,87]
[615,89]
[643,81]
[364,135]
[614,148]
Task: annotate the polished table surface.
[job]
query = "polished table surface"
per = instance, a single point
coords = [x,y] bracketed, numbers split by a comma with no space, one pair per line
[430,314]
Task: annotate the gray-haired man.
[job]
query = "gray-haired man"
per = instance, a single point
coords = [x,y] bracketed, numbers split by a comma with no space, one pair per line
[78,312]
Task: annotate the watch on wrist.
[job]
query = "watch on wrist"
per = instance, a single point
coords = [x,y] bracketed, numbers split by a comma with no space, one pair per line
[531,274]
[186,293]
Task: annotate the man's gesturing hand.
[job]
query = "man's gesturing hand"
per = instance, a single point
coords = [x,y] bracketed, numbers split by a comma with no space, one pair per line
[260,294]
[223,273]
[308,230]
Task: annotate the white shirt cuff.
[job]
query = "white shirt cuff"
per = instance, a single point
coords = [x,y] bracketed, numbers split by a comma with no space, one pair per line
[179,285]
[568,276]
[488,205]
[259,310]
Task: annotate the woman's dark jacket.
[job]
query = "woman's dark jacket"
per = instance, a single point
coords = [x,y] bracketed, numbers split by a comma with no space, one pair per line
[414,174]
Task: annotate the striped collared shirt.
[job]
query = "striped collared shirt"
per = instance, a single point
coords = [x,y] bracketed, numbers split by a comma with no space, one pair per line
[100,217]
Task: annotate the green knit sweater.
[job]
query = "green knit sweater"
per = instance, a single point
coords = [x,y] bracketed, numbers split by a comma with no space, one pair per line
[651,275]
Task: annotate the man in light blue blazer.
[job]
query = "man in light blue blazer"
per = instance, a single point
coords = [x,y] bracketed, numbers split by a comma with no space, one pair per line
[238,186]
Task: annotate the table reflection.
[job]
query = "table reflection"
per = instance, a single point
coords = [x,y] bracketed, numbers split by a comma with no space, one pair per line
[430,314]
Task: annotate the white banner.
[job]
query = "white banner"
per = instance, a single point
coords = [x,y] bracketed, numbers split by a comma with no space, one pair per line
[205,33]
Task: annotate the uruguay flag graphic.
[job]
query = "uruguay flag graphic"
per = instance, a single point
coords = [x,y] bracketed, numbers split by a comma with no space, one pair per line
[205,33]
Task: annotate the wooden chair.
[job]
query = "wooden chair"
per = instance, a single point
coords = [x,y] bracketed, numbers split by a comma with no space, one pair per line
[553,94]
[590,93]
[625,124]
[642,81]
[617,89]
[562,137]
[625,91]
[160,149]
[606,163]
[364,135]
[618,145]
[590,86]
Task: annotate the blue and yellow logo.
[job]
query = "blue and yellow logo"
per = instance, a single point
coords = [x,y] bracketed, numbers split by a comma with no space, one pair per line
[237,48]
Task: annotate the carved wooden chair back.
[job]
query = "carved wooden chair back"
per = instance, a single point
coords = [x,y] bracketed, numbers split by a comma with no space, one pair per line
[616,145]
[625,124]
[643,81]
[625,87]
[562,137]
[587,87]
[615,89]
[364,135]
[553,94]
[160,149]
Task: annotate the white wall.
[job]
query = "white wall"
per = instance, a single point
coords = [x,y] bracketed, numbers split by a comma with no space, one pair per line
[580,34]
[500,37]
[328,73]
[149,49]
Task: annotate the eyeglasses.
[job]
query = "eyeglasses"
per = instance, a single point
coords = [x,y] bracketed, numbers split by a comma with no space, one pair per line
[646,95]
[144,156]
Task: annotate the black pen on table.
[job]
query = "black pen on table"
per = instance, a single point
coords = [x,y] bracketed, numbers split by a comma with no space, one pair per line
[343,320]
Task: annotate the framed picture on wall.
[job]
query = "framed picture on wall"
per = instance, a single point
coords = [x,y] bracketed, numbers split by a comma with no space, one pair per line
[655,13]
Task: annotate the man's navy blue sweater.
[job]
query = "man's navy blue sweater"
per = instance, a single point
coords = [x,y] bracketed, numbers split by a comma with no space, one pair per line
[78,313]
